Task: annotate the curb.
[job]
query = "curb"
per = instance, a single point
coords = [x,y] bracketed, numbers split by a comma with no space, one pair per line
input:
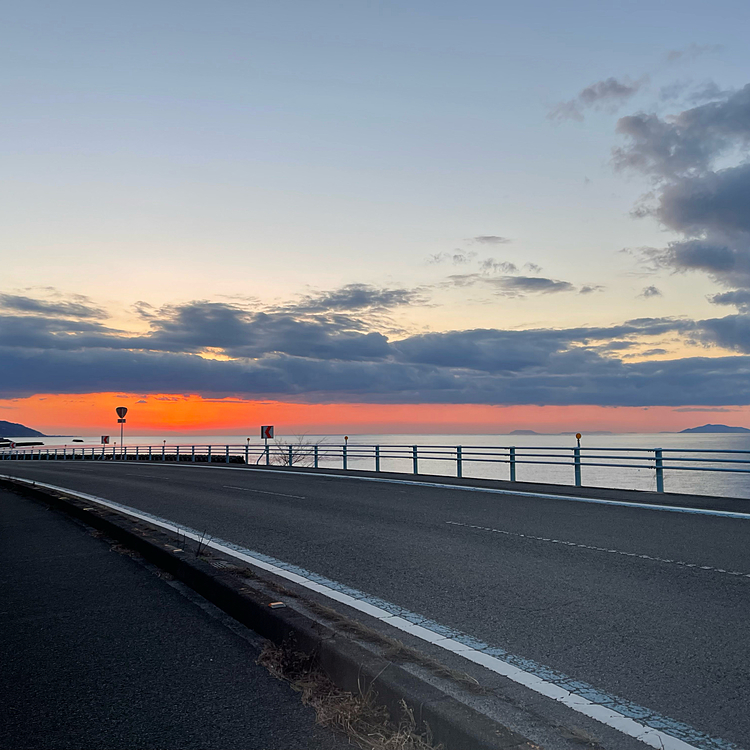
[348,664]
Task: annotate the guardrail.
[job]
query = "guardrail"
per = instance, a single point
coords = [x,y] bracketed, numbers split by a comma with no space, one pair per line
[393,457]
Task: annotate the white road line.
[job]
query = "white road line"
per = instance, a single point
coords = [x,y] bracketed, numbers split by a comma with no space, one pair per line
[262,492]
[489,490]
[652,737]
[492,491]
[601,549]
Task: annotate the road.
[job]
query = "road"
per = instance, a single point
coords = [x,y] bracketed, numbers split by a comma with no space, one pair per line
[98,652]
[647,605]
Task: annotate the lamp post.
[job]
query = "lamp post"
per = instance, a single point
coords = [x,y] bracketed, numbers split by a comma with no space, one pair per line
[121,412]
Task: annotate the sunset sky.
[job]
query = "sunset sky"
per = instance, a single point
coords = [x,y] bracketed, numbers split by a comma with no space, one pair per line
[375,217]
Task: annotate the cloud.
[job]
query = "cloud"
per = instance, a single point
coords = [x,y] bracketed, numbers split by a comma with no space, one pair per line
[490,265]
[650,291]
[730,332]
[79,308]
[511,286]
[590,288]
[576,376]
[608,94]
[687,143]
[221,350]
[740,299]
[359,297]
[692,51]
[457,258]
[696,195]
[491,239]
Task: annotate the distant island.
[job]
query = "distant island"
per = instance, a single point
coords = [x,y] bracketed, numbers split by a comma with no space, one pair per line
[11,429]
[715,428]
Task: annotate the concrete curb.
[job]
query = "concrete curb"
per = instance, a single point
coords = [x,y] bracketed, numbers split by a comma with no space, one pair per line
[348,664]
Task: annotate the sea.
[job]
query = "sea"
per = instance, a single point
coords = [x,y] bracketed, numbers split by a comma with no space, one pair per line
[397,456]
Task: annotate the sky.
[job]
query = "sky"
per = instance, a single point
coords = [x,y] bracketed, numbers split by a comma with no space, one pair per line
[375,217]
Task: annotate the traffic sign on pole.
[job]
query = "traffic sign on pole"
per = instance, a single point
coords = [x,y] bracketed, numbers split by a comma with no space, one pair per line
[121,412]
[266,432]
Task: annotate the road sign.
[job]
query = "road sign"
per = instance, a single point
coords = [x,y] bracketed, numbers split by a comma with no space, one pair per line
[105,439]
[266,432]
[121,421]
[121,411]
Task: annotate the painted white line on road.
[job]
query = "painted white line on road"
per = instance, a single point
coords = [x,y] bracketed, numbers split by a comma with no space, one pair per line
[601,713]
[262,492]
[601,549]
[491,490]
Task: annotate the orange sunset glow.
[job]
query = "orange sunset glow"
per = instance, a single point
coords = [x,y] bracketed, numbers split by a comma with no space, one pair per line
[165,413]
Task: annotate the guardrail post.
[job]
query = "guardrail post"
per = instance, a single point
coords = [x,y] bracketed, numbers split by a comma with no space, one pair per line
[659,470]
[163,451]
[227,454]
[268,455]
[414,458]
[377,458]
[65,453]
[192,453]
[291,457]
[149,454]
[577,465]
[512,453]
[208,455]
[459,462]
[247,449]
[125,453]
[315,455]
[343,455]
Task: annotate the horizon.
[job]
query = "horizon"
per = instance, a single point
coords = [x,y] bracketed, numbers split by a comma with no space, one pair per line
[376,218]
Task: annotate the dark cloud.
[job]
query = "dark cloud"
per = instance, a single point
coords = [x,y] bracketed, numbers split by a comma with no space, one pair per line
[687,143]
[608,94]
[730,332]
[511,286]
[358,297]
[204,326]
[650,291]
[739,299]
[706,206]
[590,288]
[80,307]
[491,239]
[221,350]
[576,376]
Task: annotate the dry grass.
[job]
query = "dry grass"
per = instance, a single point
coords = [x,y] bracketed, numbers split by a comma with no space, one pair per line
[365,723]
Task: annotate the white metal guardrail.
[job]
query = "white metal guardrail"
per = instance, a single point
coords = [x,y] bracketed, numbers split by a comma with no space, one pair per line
[411,457]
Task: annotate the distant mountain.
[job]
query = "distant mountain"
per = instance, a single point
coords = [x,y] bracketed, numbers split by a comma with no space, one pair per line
[715,428]
[523,432]
[11,429]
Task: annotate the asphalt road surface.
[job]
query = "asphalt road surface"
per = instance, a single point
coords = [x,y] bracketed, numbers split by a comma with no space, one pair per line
[651,606]
[98,652]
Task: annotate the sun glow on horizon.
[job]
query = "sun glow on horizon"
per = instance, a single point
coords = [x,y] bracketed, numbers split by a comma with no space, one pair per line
[189,414]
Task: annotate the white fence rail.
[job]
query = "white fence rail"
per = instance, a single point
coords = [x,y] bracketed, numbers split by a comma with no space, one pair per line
[409,458]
